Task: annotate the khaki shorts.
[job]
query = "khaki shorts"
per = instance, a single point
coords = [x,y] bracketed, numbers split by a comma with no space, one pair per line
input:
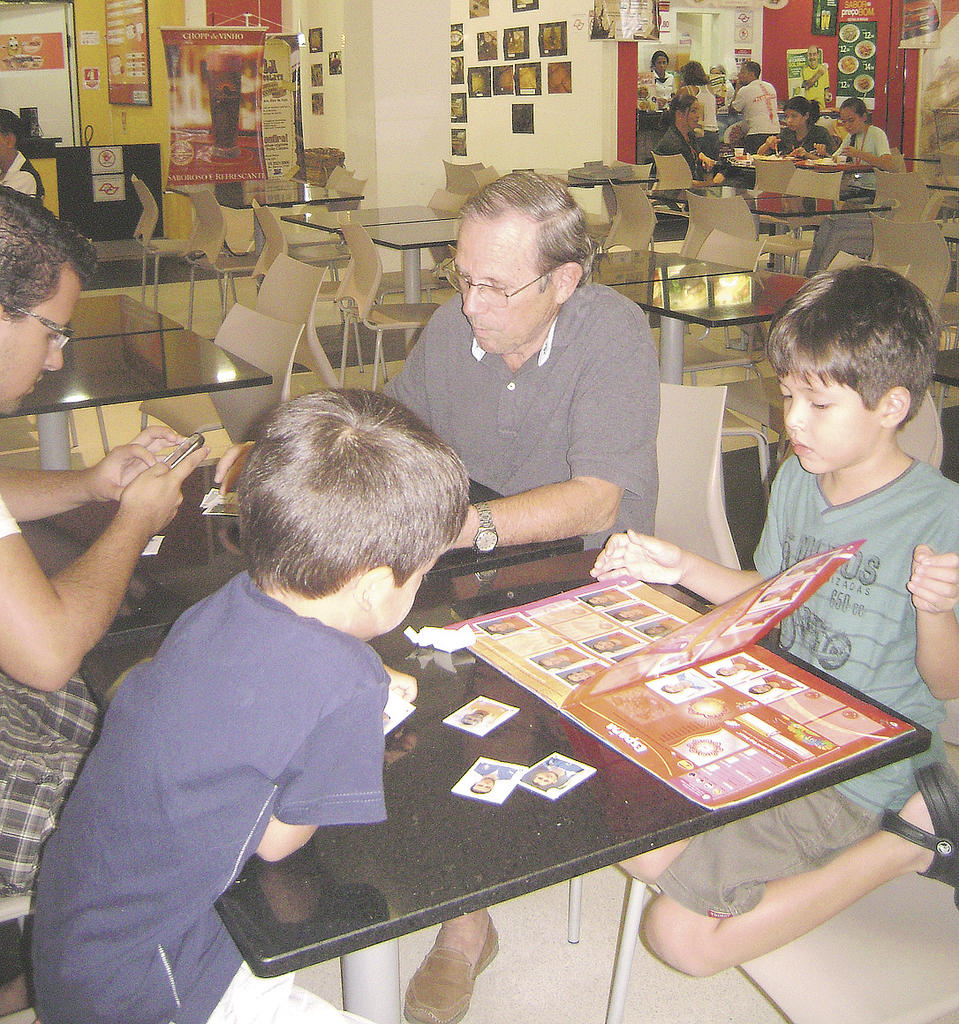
[724,872]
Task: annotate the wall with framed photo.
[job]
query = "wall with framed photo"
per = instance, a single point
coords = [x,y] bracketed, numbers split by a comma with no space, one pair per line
[540,92]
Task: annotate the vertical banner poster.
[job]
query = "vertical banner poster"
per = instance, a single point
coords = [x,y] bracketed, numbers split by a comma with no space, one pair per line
[856,52]
[920,24]
[808,76]
[215,90]
[279,125]
[128,53]
[639,19]
[824,16]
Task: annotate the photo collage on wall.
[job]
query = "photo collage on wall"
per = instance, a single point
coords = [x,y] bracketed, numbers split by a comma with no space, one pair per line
[506,66]
[316,70]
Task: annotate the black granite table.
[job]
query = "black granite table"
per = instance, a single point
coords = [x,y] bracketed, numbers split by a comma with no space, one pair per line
[353,890]
[100,316]
[128,368]
[239,195]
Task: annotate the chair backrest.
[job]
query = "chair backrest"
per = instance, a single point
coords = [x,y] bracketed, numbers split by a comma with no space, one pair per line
[209,228]
[729,214]
[921,437]
[289,289]
[910,199]
[773,175]
[949,167]
[814,184]
[690,509]
[461,179]
[360,285]
[345,183]
[274,240]
[898,161]
[150,214]
[722,247]
[672,172]
[918,251]
[267,343]
[634,220]
[238,230]
[448,203]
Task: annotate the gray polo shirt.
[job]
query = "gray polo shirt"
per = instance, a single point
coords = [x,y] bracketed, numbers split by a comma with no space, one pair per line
[590,408]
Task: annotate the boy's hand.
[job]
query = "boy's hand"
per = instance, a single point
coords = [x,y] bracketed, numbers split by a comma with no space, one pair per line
[934,583]
[228,469]
[401,684]
[645,558]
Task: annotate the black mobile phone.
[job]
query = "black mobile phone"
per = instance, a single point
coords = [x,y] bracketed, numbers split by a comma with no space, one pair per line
[179,453]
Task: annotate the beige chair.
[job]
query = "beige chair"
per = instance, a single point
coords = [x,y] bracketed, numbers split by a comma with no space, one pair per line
[209,253]
[898,161]
[16,908]
[889,959]
[358,294]
[274,241]
[672,172]
[735,251]
[730,215]
[786,242]
[815,184]
[135,247]
[690,508]
[918,251]
[634,221]
[462,179]
[259,339]
[908,195]
[345,183]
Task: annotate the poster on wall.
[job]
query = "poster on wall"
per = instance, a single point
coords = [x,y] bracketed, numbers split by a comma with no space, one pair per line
[938,121]
[128,53]
[856,52]
[920,24]
[215,100]
[38,51]
[278,115]
[825,14]
[808,76]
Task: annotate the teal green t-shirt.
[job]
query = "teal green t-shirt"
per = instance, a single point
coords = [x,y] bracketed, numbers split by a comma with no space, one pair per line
[860,626]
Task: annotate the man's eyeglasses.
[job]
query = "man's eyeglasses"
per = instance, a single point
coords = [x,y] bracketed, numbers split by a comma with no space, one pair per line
[492,294]
[61,334]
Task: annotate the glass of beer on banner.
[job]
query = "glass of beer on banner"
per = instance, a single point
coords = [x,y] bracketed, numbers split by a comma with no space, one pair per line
[224,71]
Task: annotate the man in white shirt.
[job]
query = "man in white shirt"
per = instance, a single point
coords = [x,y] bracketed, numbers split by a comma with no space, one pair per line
[756,101]
[17,171]
[47,624]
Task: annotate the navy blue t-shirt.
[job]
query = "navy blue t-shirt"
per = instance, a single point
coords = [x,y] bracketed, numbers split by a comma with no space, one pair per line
[247,711]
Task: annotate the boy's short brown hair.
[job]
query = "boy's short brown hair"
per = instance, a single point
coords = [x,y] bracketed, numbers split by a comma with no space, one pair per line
[341,482]
[865,327]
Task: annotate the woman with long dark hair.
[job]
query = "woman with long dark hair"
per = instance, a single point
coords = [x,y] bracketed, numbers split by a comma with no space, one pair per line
[686,113]
[802,137]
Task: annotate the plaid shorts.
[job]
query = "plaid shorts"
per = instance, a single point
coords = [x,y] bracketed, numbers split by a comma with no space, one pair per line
[43,740]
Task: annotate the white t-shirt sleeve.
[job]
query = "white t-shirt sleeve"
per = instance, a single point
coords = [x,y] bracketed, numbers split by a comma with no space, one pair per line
[8,525]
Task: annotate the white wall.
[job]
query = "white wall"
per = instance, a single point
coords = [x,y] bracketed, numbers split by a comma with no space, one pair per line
[568,128]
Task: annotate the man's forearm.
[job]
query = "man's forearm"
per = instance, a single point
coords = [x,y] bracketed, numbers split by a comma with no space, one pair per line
[48,625]
[572,508]
[37,493]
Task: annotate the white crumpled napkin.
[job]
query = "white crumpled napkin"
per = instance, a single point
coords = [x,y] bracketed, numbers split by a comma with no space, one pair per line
[448,640]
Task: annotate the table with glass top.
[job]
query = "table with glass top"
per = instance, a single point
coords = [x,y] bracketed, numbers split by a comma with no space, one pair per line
[682,290]
[128,368]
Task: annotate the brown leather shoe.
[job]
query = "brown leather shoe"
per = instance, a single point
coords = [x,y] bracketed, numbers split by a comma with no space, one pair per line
[441,989]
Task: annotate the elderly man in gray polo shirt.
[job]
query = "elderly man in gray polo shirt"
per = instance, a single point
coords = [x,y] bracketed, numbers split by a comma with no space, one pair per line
[548,388]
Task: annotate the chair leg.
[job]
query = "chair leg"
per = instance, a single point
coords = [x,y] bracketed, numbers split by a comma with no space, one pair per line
[346,335]
[635,902]
[72,423]
[103,431]
[143,278]
[189,322]
[574,911]
[156,281]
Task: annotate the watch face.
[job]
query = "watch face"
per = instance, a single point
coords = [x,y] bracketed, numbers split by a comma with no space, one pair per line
[485,540]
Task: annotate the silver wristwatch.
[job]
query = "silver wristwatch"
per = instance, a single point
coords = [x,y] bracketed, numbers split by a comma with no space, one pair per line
[486,536]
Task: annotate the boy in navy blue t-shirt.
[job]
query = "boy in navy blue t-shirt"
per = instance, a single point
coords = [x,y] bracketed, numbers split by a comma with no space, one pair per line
[259,720]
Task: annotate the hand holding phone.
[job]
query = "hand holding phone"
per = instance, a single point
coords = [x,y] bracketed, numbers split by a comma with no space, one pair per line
[185,448]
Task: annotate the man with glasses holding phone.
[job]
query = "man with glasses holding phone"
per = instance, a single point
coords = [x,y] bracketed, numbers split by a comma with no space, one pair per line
[547,387]
[47,624]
